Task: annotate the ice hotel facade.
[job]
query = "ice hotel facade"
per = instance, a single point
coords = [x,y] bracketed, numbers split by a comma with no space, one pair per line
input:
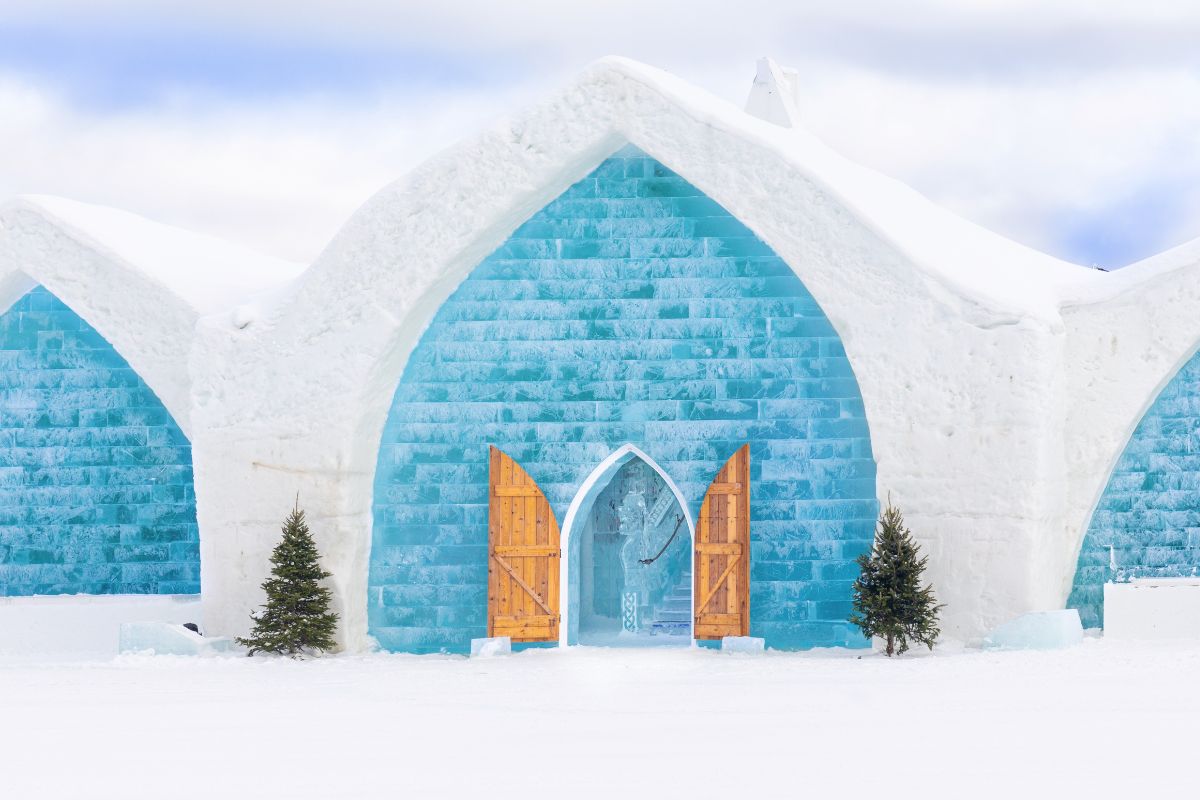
[631,367]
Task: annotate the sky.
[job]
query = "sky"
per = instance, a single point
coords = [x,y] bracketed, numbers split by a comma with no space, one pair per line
[1071,126]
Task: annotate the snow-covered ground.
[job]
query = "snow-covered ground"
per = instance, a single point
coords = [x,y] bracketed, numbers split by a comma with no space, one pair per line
[1104,719]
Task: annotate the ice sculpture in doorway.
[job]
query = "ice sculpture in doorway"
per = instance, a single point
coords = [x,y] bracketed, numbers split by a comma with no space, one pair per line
[635,586]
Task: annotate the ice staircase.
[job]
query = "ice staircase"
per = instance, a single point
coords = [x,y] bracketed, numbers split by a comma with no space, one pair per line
[673,616]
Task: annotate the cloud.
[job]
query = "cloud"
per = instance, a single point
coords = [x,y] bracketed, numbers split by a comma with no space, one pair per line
[1040,163]
[1068,126]
[279,176]
[142,65]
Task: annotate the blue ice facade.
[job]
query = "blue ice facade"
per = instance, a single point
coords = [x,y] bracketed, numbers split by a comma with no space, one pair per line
[1147,523]
[96,493]
[631,309]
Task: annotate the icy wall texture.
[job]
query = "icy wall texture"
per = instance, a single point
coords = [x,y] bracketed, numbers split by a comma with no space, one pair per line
[630,309]
[1147,523]
[96,489]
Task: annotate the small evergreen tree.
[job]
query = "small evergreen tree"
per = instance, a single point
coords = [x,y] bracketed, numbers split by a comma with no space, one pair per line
[888,599]
[296,617]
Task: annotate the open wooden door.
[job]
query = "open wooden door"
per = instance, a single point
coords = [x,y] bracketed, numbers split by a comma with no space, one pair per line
[523,556]
[722,566]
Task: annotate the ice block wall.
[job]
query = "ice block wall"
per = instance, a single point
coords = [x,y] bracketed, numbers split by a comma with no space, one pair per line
[631,309]
[96,493]
[1147,523]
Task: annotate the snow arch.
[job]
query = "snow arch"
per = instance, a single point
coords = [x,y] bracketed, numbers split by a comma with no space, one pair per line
[920,300]
[98,405]
[147,323]
[632,309]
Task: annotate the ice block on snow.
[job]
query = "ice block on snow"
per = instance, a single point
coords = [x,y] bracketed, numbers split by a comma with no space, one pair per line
[495,646]
[167,639]
[1039,630]
[743,644]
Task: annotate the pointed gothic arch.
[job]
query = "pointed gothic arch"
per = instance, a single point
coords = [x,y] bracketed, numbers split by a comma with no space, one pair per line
[581,503]
[666,325]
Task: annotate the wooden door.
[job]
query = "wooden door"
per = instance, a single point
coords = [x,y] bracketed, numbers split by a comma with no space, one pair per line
[523,555]
[722,568]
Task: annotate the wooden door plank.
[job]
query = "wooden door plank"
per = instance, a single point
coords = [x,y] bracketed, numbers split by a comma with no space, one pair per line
[517,491]
[529,550]
[492,597]
[523,561]
[520,566]
[528,629]
[497,582]
[728,600]
[743,603]
[720,562]
[512,596]
[722,552]
[703,536]
[506,477]
[553,561]
[532,621]
[705,630]
[721,548]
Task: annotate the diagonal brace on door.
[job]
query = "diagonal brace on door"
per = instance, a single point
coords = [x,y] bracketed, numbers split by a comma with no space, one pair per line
[520,582]
[721,580]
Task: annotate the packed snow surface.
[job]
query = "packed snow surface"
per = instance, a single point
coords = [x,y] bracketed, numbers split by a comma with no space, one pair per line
[1106,719]
[208,273]
[83,626]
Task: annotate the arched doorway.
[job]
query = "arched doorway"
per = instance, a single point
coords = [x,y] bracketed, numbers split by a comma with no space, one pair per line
[632,308]
[628,571]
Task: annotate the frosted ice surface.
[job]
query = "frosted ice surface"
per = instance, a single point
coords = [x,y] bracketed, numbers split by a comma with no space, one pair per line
[743,644]
[167,639]
[495,646]
[1040,630]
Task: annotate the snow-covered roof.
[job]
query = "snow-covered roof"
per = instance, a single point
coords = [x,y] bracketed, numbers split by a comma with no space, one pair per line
[1178,263]
[948,246]
[601,107]
[211,275]
[142,285]
[208,273]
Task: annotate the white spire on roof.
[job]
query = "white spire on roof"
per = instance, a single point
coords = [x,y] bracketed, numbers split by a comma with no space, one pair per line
[775,95]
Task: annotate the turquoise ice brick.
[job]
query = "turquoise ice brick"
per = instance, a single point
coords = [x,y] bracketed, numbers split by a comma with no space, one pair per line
[95,477]
[1144,523]
[631,309]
